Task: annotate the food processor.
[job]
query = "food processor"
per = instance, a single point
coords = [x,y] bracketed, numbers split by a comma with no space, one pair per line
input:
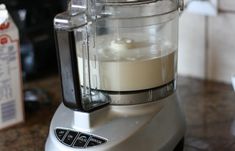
[118,69]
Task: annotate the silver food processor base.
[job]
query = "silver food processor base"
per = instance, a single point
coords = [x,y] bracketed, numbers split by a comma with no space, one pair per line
[156,126]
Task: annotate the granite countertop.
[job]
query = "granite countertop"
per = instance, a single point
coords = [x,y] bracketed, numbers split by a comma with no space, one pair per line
[209,109]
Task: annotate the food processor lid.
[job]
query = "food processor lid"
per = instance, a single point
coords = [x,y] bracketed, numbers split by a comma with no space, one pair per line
[126,1]
[126,9]
[81,12]
[179,4]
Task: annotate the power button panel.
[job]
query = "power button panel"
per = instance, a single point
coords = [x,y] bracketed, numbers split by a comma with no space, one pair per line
[76,139]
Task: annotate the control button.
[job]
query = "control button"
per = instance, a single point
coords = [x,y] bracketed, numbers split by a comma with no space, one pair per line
[70,137]
[60,133]
[81,140]
[94,141]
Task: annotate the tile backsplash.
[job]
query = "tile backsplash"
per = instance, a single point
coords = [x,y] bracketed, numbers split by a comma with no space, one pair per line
[207,44]
[227,5]
[192,45]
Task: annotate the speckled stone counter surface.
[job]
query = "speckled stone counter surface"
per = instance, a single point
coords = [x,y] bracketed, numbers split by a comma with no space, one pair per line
[209,109]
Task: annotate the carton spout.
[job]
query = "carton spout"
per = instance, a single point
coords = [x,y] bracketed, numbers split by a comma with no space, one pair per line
[3,13]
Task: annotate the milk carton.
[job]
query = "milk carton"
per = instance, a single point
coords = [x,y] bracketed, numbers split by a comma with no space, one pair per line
[11,100]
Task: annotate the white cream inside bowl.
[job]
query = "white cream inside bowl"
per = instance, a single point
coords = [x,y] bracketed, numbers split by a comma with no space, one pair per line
[128,65]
